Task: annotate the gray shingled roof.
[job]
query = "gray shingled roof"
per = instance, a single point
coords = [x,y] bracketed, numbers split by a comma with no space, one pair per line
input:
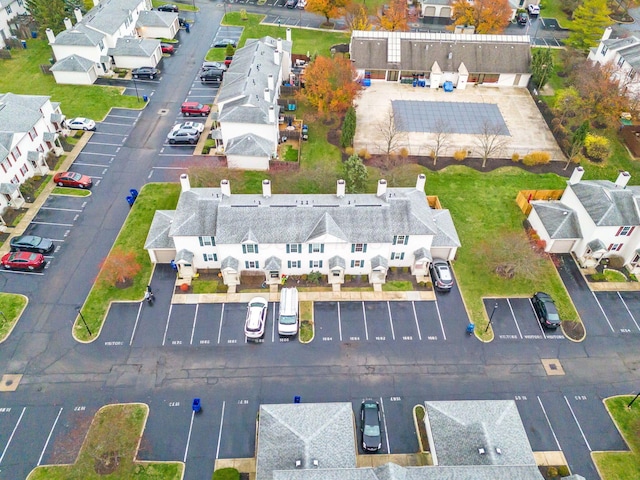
[305,432]
[80,36]
[18,115]
[73,63]
[184,256]
[241,95]
[460,428]
[158,236]
[559,220]
[423,253]
[379,262]
[230,262]
[249,145]
[154,18]
[628,48]
[8,188]
[597,245]
[416,51]
[608,204]
[361,217]
[272,263]
[135,47]
[110,15]
[337,261]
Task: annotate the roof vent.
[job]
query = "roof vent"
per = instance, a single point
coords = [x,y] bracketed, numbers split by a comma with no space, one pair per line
[498,451]
[298,463]
[315,462]
[481,451]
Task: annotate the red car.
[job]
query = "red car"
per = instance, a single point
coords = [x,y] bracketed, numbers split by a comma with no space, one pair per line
[23,261]
[227,60]
[167,48]
[195,108]
[72,179]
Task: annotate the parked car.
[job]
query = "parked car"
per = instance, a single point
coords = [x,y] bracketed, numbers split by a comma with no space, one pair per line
[288,312]
[211,75]
[167,48]
[184,135]
[196,126]
[31,243]
[145,72]
[23,261]
[227,60]
[534,9]
[301,4]
[256,318]
[224,42]
[546,310]
[72,179]
[441,275]
[370,422]
[213,66]
[168,8]
[195,108]
[291,3]
[80,123]
[522,18]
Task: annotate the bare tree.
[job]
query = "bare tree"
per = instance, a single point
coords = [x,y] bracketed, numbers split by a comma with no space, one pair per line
[442,132]
[392,137]
[491,141]
[512,256]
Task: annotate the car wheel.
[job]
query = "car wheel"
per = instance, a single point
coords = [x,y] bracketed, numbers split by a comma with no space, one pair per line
[172,141]
[30,267]
[192,141]
[85,128]
[151,77]
[186,114]
[80,185]
[42,251]
[60,184]
[135,76]
[203,114]
[7,267]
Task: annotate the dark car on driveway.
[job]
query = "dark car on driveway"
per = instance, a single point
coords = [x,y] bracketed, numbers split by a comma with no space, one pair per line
[546,310]
[441,275]
[211,75]
[72,179]
[522,18]
[291,3]
[370,422]
[31,243]
[23,261]
[168,8]
[224,42]
[145,72]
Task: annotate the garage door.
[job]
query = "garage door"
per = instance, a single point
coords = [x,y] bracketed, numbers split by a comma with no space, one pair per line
[165,256]
[445,12]
[440,253]
[429,11]
[562,246]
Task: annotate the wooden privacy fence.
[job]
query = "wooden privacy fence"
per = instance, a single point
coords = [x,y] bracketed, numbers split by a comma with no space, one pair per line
[525,196]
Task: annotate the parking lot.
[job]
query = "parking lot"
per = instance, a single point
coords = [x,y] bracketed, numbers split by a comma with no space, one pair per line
[515,319]
[621,311]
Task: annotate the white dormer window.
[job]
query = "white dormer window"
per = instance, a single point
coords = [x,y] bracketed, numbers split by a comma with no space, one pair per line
[250,248]
[207,241]
[101,45]
[621,61]
[8,9]
[604,50]
[624,231]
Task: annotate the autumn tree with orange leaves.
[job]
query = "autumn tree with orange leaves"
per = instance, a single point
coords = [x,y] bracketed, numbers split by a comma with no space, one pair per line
[330,85]
[357,17]
[327,8]
[488,16]
[118,268]
[394,18]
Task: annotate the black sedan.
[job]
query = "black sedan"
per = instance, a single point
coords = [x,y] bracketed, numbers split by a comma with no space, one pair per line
[145,72]
[168,8]
[31,243]
[224,42]
[370,421]
[546,310]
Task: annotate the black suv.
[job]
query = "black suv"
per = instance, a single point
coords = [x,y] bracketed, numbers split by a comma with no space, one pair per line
[370,426]
[546,310]
[168,8]
[145,72]
[212,75]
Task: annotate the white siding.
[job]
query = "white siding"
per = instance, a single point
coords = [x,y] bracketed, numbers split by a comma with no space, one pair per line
[241,162]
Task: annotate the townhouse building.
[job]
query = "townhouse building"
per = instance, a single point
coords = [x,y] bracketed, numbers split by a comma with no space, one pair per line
[622,56]
[9,9]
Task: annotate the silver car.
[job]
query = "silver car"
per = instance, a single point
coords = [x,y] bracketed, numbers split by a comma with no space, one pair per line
[184,135]
[195,126]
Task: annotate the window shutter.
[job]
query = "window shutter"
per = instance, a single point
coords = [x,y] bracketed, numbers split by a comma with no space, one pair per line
[255,249]
[610,246]
[619,247]
[320,264]
[201,242]
[299,248]
[395,239]
[619,230]
[288,249]
[257,264]
[215,257]
[310,263]
[402,256]
[310,248]
[244,249]
[353,247]
[246,264]
[364,248]
[213,241]
[288,263]
[406,239]
[630,231]
[353,262]
[322,248]
[204,257]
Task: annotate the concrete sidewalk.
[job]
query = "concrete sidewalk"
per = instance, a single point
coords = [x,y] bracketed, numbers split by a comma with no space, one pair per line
[34,208]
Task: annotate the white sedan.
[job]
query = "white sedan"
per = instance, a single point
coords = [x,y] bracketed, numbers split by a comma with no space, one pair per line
[197,126]
[80,123]
[534,9]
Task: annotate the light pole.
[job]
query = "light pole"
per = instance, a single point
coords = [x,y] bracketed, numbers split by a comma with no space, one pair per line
[135,84]
[495,307]
[83,320]
[634,399]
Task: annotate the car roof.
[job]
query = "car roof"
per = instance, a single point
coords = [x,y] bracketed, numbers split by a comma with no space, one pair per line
[544,296]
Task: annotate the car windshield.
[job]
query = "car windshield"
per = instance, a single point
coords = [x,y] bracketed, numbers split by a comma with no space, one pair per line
[552,316]
[372,430]
[444,273]
[75,176]
[31,240]
[287,319]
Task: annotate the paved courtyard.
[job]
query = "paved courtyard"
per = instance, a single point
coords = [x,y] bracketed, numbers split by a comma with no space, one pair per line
[510,107]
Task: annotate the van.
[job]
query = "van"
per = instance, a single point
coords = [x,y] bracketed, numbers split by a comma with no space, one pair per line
[288,314]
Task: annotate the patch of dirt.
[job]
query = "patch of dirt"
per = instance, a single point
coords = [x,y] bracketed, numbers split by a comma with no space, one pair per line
[573,330]
[107,463]
[11,214]
[126,283]
[333,137]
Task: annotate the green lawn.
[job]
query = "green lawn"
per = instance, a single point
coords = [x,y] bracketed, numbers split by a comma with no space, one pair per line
[11,307]
[21,75]
[153,196]
[553,9]
[129,420]
[72,192]
[622,465]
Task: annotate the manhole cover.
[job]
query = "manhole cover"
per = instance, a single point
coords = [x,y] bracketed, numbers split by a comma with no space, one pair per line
[552,366]
[9,383]
[163,111]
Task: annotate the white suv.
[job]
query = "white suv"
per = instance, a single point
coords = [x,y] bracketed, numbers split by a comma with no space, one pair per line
[534,9]
[256,318]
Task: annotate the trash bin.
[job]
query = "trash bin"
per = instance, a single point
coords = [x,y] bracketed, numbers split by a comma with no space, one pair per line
[296,399]
[130,200]
[24,43]
[34,34]
[187,27]
[134,193]
[145,98]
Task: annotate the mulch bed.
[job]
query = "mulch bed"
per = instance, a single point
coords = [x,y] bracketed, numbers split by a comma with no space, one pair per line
[573,330]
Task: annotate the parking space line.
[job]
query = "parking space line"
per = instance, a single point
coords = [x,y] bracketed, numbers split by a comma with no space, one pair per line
[61,209]
[135,325]
[103,143]
[166,326]
[537,319]
[12,434]
[515,320]
[444,335]
[95,153]
[117,124]
[339,322]
[273,322]
[89,164]
[220,431]
[577,423]
[220,327]
[54,224]
[384,421]
[549,423]
[393,334]
[364,315]
[602,310]
[186,450]
[628,311]
[23,273]
[195,319]
[114,134]
[415,317]
[49,437]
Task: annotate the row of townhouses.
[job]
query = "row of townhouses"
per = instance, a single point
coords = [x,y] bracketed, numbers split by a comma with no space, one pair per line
[273,235]
[9,9]
[28,132]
